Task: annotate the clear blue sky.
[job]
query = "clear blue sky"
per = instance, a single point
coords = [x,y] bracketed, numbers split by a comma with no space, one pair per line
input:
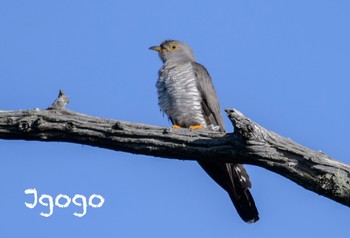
[285,64]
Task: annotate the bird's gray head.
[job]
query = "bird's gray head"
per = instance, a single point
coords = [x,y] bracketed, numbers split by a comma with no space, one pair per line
[174,51]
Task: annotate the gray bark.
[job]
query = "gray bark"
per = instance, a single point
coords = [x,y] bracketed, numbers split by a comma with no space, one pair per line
[249,144]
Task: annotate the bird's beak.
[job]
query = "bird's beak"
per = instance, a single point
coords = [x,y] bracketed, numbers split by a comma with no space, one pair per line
[156,48]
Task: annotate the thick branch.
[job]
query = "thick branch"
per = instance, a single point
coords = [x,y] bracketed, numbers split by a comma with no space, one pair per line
[250,144]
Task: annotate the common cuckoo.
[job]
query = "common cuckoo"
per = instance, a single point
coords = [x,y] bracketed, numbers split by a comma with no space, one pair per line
[187,96]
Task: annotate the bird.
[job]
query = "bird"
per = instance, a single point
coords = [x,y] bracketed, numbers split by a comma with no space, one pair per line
[187,96]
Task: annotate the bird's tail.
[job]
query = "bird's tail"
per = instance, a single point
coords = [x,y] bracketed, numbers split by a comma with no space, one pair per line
[235,180]
[240,194]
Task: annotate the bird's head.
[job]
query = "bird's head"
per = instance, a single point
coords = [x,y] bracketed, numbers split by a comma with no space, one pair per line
[174,51]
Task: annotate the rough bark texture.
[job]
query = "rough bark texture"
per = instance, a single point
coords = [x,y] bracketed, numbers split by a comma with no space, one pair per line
[249,144]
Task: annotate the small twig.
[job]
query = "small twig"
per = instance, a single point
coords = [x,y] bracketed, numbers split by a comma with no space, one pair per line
[60,103]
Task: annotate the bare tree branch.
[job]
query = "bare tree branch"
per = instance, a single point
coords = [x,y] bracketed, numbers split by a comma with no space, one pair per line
[249,144]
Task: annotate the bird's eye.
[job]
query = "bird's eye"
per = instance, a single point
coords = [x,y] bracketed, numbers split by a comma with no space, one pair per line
[173,46]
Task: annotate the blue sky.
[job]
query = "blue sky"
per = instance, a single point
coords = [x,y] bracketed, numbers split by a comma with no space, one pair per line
[284,64]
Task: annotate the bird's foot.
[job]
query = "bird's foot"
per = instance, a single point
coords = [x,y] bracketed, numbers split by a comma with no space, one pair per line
[176,127]
[196,127]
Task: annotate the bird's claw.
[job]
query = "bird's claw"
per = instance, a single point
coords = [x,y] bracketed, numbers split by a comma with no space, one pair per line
[196,127]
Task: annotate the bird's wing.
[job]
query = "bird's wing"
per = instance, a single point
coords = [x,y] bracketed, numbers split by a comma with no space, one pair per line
[231,177]
[210,103]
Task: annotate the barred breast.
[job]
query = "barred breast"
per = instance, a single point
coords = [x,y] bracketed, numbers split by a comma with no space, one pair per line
[178,96]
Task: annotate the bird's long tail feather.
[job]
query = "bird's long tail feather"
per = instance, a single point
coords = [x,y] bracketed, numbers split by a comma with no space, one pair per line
[235,180]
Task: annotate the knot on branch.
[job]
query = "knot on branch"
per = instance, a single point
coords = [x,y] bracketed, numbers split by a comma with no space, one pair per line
[10,121]
[118,126]
[70,126]
[326,181]
[38,122]
[24,126]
